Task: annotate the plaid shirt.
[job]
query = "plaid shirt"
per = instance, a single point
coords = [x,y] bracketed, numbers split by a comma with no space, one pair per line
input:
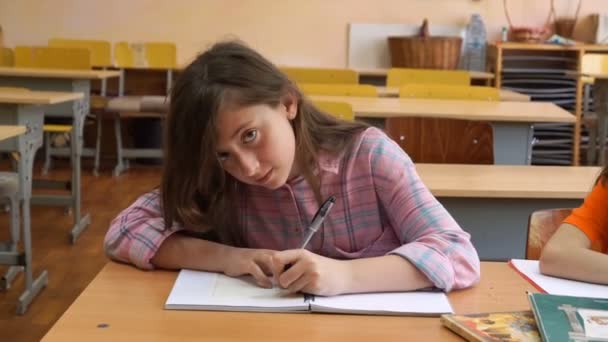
[382,207]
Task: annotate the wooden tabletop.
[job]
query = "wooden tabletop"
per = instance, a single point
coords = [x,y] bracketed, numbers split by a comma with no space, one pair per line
[478,75]
[505,95]
[58,73]
[508,181]
[10,131]
[129,302]
[497,111]
[37,97]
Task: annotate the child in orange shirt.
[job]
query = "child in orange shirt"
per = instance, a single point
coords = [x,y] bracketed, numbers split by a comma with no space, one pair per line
[579,248]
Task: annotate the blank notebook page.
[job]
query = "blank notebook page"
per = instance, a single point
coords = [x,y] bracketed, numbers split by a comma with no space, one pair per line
[418,303]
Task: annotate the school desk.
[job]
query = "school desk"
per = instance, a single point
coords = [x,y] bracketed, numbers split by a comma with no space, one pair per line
[78,81]
[8,131]
[126,304]
[504,94]
[26,109]
[377,76]
[493,202]
[512,122]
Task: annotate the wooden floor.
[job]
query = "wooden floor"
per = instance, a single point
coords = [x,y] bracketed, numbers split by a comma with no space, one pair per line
[70,267]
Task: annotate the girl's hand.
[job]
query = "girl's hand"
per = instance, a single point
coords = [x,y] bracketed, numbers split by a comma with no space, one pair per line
[255,262]
[310,273]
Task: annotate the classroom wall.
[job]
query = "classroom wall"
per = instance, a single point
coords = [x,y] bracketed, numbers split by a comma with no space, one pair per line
[297,32]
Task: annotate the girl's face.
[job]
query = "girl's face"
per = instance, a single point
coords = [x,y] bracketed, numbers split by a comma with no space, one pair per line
[256,144]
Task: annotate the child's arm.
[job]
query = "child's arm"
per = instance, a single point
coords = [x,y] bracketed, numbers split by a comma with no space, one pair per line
[137,236]
[312,273]
[568,255]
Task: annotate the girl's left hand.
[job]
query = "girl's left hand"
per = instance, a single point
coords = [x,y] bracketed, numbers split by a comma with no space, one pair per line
[310,273]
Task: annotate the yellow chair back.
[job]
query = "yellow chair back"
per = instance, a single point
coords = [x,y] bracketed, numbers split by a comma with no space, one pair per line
[101,54]
[321,75]
[7,57]
[52,57]
[341,110]
[364,90]
[449,92]
[397,77]
[123,55]
[161,55]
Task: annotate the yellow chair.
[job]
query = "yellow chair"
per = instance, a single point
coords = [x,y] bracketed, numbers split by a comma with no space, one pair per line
[341,110]
[541,226]
[321,75]
[596,122]
[449,92]
[53,58]
[123,55]
[397,77]
[364,90]
[442,140]
[160,55]
[100,50]
[7,57]
[101,57]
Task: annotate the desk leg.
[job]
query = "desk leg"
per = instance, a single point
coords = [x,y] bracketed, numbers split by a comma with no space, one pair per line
[32,286]
[512,143]
[600,102]
[26,145]
[80,223]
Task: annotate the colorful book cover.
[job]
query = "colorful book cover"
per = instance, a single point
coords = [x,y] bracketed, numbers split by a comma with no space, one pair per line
[494,327]
[567,318]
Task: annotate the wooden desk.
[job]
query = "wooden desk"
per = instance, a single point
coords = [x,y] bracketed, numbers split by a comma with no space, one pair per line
[10,131]
[493,202]
[505,95]
[24,109]
[511,121]
[72,81]
[382,72]
[130,302]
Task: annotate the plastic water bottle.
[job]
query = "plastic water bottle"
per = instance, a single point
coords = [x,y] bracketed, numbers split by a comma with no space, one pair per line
[474,55]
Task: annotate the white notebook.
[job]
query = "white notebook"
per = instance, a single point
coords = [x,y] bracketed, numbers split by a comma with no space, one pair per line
[530,270]
[194,290]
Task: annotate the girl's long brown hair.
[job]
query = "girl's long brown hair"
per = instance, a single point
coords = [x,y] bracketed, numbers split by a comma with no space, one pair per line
[196,192]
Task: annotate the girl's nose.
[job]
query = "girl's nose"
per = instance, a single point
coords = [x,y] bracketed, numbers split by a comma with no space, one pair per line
[249,165]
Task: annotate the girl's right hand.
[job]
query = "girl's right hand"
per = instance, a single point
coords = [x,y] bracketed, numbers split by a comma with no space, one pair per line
[255,262]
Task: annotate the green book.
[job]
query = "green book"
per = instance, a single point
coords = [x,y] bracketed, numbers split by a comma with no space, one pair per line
[566,318]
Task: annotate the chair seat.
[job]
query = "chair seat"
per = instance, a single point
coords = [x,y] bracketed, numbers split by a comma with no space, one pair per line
[9,183]
[57,128]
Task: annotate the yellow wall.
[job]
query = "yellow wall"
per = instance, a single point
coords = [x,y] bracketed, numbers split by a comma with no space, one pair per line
[302,32]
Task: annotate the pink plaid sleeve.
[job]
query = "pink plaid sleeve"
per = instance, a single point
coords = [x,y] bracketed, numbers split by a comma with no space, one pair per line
[432,240]
[138,231]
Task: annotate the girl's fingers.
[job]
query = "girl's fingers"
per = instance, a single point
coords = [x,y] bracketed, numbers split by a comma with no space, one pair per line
[299,284]
[289,276]
[266,263]
[260,278]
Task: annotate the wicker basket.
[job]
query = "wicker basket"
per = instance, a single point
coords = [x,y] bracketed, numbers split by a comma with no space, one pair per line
[424,51]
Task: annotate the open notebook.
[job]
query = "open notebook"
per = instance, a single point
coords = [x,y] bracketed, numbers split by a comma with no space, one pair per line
[194,290]
[530,270]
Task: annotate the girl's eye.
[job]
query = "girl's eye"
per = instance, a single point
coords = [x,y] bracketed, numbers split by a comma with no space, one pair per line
[250,136]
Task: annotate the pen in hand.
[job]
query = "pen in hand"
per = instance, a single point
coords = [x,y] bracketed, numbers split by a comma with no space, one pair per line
[316,223]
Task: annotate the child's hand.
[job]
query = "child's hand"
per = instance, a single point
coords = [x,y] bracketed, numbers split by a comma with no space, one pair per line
[310,273]
[255,262]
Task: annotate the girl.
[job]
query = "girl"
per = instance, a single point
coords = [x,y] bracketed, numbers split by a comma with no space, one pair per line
[248,160]
[578,249]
